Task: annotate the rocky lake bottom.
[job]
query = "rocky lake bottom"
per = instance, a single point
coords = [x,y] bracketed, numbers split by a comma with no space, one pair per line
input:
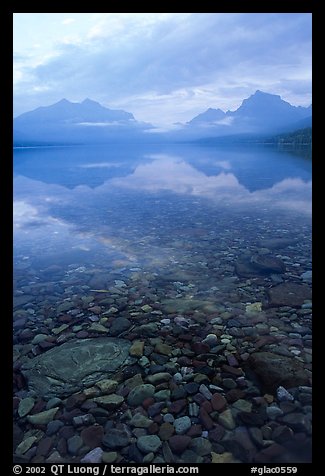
[198,350]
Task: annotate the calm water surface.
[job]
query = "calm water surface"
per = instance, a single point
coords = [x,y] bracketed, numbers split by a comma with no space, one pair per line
[164,226]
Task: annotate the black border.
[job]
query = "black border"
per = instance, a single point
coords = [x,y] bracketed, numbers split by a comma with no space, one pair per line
[229,6]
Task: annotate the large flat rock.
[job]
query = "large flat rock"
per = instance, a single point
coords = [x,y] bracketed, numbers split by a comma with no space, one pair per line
[75,365]
[289,294]
[274,370]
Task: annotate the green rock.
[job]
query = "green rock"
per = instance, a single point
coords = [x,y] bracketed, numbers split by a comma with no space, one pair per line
[58,330]
[242,405]
[107,385]
[39,338]
[134,381]
[254,307]
[223,458]
[226,419]
[146,308]
[65,306]
[96,327]
[42,418]
[162,395]
[140,421]
[136,349]
[75,365]
[53,402]
[158,378]
[25,406]
[140,393]
[149,443]
[201,446]
[109,456]
[110,402]
[25,445]
[163,349]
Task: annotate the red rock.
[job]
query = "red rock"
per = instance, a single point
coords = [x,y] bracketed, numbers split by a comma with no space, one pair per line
[195,430]
[92,436]
[179,443]
[157,418]
[147,402]
[232,370]
[177,406]
[75,400]
[200,348]
[153,428]
[38,407]
[207,406]
[234,394]
[218,402]
[205,419]
[198,363]
[184,361]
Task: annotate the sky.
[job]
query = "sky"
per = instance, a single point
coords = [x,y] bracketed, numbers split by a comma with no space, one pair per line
[162,67]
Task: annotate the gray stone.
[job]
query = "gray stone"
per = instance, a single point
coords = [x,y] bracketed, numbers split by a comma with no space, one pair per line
[158,378]
[201,446]
[53,427]
[307,276]
[74,444]
[76,364]
[94,456]
[205,391]
[182,424]
[25,406]
[283,395]
[115,438]
[273,412]
[189,456]
[25,445]
[267,264]
[226,419]
[140,421]
[121,324]
[53,402]
[140,393]
[289,294]
[239,443]
[274,370]
[42,418]
[110,402]
[162,395]
[149,443]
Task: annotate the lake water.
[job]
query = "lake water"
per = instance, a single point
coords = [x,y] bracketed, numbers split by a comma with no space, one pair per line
[188,240]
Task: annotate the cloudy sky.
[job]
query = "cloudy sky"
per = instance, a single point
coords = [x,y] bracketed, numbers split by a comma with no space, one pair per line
[162,67]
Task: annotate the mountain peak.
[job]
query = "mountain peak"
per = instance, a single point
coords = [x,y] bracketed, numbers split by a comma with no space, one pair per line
[209,116]
[90,102]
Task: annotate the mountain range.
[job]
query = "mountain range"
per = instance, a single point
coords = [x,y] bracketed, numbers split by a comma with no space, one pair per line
[90,122]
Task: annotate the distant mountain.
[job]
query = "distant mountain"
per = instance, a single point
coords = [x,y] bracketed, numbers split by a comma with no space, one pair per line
[261,112]
[66,122]
[210,116]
